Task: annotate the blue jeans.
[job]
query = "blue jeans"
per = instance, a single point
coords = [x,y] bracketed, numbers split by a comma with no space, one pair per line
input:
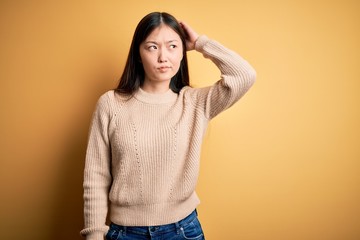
[188,228]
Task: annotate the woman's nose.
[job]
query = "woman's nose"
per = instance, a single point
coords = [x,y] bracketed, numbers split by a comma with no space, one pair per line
[162,56]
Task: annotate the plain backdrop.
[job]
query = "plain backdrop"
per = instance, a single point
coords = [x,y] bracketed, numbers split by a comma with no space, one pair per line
[281,164]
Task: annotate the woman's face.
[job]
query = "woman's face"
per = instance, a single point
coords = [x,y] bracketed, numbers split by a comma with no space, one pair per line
[161,54]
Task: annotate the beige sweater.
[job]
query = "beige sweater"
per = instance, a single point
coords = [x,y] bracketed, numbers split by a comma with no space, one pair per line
[143,153]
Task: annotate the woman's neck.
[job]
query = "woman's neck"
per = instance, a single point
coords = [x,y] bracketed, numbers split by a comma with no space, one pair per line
[156,88]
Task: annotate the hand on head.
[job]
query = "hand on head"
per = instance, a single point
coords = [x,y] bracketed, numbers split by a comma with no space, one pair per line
[191,36]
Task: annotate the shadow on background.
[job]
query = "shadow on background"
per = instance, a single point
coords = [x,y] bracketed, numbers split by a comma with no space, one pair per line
[67,219]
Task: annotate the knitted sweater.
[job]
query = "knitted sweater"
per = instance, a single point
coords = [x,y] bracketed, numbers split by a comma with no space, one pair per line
[142,159]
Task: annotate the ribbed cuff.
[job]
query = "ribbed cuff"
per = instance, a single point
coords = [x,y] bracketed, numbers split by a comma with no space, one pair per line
[94,233]
[95,236]
[200,43]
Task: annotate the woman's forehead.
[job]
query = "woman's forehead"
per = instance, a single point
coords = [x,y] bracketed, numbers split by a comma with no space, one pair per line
[163,33]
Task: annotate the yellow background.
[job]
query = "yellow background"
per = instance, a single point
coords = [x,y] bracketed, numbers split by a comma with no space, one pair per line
[282,164]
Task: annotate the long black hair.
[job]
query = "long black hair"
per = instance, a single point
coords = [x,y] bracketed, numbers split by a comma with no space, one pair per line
[133,75]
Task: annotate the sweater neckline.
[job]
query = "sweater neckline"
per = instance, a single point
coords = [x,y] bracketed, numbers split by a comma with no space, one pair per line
[155,98]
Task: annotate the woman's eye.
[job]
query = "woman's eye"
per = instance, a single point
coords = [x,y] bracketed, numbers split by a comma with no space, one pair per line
[173,46]
[153,47]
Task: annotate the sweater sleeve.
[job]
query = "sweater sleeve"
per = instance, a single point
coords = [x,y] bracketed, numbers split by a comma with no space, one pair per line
[97,173]
[237,76]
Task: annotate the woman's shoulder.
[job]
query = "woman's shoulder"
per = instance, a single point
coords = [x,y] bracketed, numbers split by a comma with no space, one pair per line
[193,92]
[106,95]
[104,98]
[194,95]
[188,90]
[107,99]
[111,96]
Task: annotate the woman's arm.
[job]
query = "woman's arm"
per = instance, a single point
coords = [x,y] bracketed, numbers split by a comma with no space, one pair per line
[237,75]
[97,175]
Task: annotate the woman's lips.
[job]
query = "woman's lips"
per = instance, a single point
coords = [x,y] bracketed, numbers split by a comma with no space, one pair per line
[163,68]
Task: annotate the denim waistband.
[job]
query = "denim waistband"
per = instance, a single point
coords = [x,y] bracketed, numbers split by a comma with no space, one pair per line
[156,228]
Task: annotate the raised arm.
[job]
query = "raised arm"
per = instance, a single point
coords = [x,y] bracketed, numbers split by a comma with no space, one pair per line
[237,75]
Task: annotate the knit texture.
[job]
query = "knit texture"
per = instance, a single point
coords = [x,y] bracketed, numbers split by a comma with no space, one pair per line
[142,159]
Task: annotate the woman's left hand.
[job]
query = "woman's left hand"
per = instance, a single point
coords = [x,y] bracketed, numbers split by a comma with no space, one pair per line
[191,36]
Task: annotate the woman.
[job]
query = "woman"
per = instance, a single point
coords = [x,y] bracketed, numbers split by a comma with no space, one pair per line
[143,153]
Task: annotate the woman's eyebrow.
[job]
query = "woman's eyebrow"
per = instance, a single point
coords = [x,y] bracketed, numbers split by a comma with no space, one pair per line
[175,40]
[157,43]
[154,42]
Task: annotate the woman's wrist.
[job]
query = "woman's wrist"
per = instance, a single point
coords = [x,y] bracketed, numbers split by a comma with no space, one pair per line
[200,42]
